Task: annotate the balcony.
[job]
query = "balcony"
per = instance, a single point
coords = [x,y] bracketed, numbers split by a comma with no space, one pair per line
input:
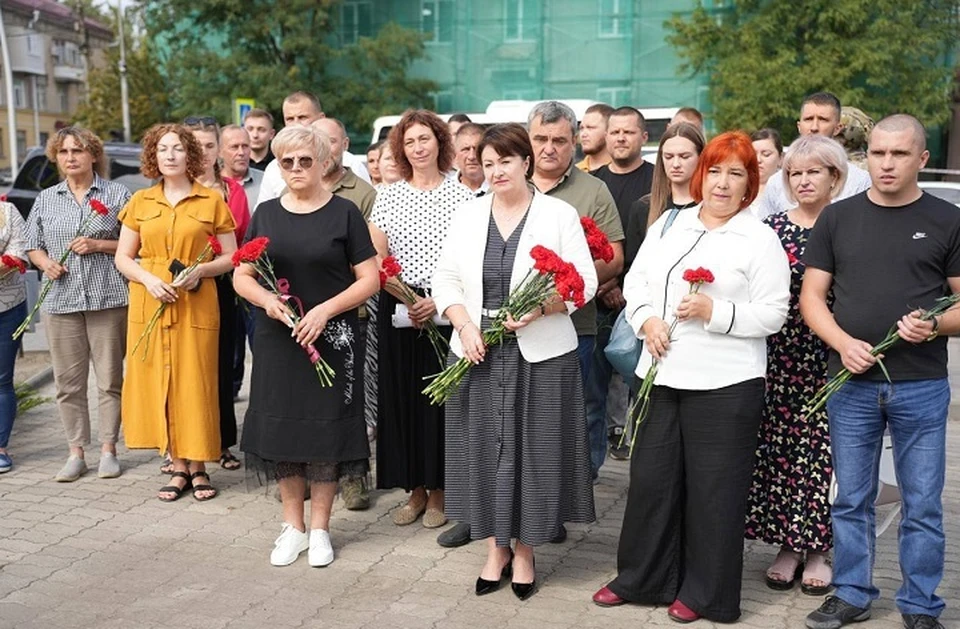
[27,51]
[69,73]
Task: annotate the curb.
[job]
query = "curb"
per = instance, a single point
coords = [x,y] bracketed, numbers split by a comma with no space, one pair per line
[40,379]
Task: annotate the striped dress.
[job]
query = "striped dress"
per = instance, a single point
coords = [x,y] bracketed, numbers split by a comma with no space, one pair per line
[517,454]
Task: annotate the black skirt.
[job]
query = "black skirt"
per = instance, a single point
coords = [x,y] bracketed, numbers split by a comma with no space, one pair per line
[410,436]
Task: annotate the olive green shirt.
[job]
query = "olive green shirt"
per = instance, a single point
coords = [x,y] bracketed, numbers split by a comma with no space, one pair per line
[352,188]
[592,199]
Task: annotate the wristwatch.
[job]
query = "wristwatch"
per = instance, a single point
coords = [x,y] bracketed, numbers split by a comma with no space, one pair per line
[935,331]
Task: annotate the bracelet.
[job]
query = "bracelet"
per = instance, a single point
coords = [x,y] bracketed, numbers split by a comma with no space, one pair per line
[935,331]
[465,324]
[543,310]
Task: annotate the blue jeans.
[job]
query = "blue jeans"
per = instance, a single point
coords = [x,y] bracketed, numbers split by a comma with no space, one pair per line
[9,321]
[916,414]
[595,389]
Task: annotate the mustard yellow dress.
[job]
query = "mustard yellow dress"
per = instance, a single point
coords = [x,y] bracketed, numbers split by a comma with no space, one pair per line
[170,398]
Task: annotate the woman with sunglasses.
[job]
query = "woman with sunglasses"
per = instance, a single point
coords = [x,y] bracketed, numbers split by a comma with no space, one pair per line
[170,394]
[85,313]
[207,133]
[297,430]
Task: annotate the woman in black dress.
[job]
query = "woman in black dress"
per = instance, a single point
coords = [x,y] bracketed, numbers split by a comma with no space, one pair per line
[297,429]
[791,482]
[409,221]
[518,461]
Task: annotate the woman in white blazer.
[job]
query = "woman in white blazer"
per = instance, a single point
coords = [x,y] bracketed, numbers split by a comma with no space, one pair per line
[681,542]
[518,462]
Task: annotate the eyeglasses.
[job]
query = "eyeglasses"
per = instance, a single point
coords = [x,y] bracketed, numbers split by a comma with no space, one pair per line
[289,163]
[204,121]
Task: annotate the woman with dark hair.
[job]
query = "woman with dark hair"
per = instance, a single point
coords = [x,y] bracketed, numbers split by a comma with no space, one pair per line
[677,156]
[766,142]
[682,538]
[207,132]
[409,221]
[518,459]
[85,313]
[170,393]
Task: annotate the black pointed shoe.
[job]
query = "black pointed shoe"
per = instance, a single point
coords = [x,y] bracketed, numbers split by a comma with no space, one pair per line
[488,587]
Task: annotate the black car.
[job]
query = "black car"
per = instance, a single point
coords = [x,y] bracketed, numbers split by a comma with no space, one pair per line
[38,173]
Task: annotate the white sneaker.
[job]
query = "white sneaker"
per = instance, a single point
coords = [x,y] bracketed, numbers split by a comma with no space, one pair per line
[289,545]
[321,550]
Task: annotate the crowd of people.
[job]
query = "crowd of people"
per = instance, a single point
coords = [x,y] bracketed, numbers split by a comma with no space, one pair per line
[807,255]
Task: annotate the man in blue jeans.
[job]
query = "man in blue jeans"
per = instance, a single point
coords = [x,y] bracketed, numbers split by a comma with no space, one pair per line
[885,254]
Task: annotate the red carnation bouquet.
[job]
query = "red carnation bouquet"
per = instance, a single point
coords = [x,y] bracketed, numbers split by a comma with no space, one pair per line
[96,209]
[641,405]
[213,249]
[391,268]
[600,247]
[11,264]
[254,253]
[549,277]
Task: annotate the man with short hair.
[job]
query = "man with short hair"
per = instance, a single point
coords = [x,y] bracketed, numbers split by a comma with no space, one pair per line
[593,137]
[469,170]
[339,179]
[819,114]
[884,255]
[629,177]
[302,108]
[455,121]
[235,153]
[259,124]
[688,114]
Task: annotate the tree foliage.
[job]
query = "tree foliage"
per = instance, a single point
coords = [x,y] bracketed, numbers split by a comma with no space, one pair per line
[146,86]
[764,56]
[218,50]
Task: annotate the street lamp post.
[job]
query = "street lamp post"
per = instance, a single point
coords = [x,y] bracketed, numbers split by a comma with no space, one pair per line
[11,105]
[124,96]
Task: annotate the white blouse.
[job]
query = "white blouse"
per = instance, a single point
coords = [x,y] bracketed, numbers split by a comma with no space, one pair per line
[750,293]
[416,223]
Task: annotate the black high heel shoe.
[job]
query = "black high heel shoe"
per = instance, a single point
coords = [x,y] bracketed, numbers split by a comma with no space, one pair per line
[523,591]
[487,587]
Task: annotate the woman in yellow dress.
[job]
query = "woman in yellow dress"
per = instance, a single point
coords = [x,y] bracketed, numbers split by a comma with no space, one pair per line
[169,398]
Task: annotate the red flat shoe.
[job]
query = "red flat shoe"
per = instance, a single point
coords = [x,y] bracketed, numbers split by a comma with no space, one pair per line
[681,613]
[606,598]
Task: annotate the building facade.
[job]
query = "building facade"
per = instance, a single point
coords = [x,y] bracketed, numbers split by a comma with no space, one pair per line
[51,50]
[607,50]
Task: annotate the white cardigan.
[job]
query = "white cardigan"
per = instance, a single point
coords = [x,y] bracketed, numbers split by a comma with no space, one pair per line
[751,296]
[458,278]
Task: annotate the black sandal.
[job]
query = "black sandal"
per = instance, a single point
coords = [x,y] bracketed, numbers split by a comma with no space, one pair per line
[205,487]
[228,461]
[173,489]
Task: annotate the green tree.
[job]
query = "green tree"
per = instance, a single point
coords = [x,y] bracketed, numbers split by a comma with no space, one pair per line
[218,50]
[763,57]
[146,86]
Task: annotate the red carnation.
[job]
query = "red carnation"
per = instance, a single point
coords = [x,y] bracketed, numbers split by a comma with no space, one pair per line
[545,260]
[14,263]
[99,207]
[699,275]
[600,248]
[391,267]
[383,280]
[215,245]
[251,251]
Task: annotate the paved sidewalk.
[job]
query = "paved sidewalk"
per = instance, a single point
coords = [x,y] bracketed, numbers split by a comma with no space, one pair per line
[107,554]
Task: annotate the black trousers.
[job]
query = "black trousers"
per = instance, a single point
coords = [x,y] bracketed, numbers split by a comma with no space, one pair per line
[226,299]
[682,534]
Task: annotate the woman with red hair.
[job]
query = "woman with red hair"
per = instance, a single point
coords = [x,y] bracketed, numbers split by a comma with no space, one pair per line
[681,542]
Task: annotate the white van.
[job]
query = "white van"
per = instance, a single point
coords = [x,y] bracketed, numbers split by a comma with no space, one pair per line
[499,111]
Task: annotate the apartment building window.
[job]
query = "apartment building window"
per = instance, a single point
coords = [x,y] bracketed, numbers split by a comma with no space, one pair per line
[63,98]
[614,96]
[356,20]
[19,94]
[41,94]
[21,143]
[613,14]
[44,136]
[436,20]
[520,20]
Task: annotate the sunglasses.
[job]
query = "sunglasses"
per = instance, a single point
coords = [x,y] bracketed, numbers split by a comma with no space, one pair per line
[289,163]
[206,121]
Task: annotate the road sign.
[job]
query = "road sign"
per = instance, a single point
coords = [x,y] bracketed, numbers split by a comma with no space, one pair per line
[241,107]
